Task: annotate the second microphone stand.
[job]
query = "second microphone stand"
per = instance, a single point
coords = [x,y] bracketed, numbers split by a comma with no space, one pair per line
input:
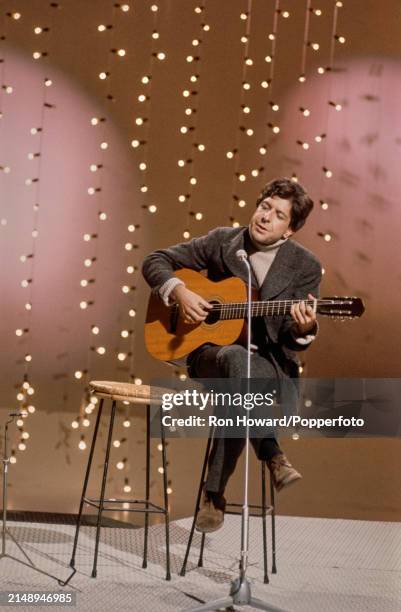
[5,531]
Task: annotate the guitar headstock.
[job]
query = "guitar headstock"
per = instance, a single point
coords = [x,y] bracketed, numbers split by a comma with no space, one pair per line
[341,307]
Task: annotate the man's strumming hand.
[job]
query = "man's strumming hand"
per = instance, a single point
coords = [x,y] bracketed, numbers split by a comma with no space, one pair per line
[193,308]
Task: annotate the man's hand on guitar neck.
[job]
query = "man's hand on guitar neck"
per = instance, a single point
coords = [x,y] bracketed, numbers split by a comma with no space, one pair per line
[304,317]
[193,308]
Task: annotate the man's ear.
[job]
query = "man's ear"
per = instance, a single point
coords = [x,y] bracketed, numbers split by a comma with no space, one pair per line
[288,233]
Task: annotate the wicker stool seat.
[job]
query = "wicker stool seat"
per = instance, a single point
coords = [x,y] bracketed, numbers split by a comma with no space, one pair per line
[128,392]
[132,394]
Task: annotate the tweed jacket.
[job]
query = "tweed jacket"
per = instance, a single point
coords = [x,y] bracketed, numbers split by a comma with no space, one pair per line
[294,273]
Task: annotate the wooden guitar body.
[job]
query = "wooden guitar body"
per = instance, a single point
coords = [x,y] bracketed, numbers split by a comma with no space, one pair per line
[167,337]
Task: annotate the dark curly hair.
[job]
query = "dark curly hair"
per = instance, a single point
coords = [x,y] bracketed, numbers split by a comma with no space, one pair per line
[287,189]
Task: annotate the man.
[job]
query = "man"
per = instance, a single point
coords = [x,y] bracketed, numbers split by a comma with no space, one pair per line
[282,269]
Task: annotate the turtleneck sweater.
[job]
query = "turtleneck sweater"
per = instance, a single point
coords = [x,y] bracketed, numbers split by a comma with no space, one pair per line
[261,257]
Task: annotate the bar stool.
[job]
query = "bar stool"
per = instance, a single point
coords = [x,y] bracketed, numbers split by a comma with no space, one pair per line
[133,394]
[255,510]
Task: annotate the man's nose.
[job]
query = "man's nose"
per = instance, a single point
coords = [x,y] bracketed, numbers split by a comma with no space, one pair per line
[266,217]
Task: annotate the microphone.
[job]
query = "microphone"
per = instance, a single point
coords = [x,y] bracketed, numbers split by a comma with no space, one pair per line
[18,414]
[241,255]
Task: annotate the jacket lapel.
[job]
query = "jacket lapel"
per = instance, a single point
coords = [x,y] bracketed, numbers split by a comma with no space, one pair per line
[229,250]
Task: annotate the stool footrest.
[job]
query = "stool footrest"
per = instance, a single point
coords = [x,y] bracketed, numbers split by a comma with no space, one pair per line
[268,509]
[149,507]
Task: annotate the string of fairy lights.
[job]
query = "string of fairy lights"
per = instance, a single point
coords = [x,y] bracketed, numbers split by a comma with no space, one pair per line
[88,302]
[191,95]
[127,337]
[25,388]
[243,111]
[141,144]
[8,89]
[142,120]
[336,38]
[89,402]
[272,106]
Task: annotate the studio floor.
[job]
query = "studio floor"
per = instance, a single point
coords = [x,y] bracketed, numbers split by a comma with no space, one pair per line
[323,565]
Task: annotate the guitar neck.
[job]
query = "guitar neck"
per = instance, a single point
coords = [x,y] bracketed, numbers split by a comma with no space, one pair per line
[274,308]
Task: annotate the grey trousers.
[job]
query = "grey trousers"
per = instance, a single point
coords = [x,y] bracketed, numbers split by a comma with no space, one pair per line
[231,362]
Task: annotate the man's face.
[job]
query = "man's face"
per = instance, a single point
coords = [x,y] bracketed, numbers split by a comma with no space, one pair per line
[271,221]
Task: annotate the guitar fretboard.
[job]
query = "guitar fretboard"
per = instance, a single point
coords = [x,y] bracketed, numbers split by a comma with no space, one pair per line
[239,310]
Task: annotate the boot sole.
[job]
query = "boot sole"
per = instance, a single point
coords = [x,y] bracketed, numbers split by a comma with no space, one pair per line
[286,483]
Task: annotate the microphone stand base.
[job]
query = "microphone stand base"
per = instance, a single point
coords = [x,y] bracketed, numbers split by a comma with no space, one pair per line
[240,595]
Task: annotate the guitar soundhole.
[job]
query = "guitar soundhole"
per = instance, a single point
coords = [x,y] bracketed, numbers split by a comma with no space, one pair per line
[214,314]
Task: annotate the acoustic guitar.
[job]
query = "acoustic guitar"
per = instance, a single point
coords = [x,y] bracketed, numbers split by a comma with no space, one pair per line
[168,337]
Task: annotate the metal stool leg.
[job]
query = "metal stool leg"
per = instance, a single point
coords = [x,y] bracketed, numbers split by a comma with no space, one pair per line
[274,567]
[88,469]
[101,501]
[263,476]
[147,489]
[202,547]
[166,515]
[202,480]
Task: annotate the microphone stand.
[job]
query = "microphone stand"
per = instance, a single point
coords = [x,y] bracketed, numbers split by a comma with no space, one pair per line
[240,591]
[5,531]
